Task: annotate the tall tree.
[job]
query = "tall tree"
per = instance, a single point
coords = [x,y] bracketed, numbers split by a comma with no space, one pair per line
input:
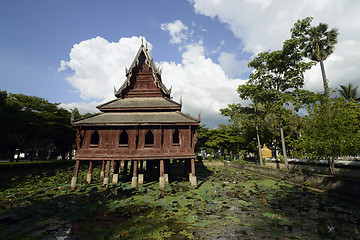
[328,138]
[39,121]
[275,73]
[316,42]
[249,91]
[349,92]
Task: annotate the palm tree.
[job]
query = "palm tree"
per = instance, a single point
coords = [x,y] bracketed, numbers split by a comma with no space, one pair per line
[349,92]
[316,42]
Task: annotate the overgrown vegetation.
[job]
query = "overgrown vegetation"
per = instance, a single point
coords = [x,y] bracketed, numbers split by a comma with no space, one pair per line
[227,203]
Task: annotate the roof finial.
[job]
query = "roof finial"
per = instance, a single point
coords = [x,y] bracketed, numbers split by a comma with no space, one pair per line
[142,41]
[181,100]
[146,45]
[199,118]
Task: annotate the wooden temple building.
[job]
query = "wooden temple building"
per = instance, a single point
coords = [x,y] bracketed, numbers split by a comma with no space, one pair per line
[143,126]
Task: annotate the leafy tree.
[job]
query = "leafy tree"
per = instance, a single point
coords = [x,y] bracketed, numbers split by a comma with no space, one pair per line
[246,119]
[349,92]
[275,73]
[316,42]
[328,138]
[31,121]
[224,138]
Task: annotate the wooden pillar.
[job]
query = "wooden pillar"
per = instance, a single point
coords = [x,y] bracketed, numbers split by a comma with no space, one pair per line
[161,178]
[102,169]
[187,166]
[141,173]
[166,170]
[112,166]
[125,168]
[117,165]
[75,176]
[134,180]
[107,173]
[88,179]
[192,177]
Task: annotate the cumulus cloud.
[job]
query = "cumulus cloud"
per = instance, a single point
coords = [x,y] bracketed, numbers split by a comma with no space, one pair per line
[265,25]
[231,65]
[202,83]
[99,65]
[83,107]
[177,30]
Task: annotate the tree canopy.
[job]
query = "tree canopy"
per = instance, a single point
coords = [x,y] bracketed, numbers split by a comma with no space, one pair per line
[30,121]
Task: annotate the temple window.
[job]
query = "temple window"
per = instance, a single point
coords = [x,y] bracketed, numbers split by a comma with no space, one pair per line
[123,141]
[94,142]
[176,138]
[149,139]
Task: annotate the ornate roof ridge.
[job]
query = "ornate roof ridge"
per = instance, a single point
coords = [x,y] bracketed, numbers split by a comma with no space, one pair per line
[156,72]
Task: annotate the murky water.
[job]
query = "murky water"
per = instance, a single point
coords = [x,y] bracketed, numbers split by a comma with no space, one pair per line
[228,204]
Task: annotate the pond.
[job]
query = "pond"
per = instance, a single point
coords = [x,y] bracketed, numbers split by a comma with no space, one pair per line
[227,204]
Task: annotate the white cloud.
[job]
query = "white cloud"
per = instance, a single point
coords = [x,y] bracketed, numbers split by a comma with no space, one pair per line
[265,25]
[177,30]
[99,65]
[232,66]
[202,83]
[83,107]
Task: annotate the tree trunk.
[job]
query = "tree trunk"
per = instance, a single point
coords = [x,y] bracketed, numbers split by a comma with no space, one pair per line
[325,82]
[331,166]
[282,133]
[258,136]
[283,144]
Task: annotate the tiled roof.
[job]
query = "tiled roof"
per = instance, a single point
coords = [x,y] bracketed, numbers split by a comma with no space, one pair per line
[140,103]
[134,118]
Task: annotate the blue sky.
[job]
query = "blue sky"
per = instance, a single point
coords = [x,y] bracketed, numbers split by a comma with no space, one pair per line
[74,52]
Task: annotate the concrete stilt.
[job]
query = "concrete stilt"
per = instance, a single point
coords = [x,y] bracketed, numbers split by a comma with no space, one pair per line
[76,172]
[166,177]
[161,178]
[193,180]
[106,182]
[102,169]
[116,171]
[115,178]
[161,182]
[88,178]
[141,178]
[73,182]
[107,173]
[134,180]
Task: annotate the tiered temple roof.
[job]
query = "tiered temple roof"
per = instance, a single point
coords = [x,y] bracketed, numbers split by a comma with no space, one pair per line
[142,99]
